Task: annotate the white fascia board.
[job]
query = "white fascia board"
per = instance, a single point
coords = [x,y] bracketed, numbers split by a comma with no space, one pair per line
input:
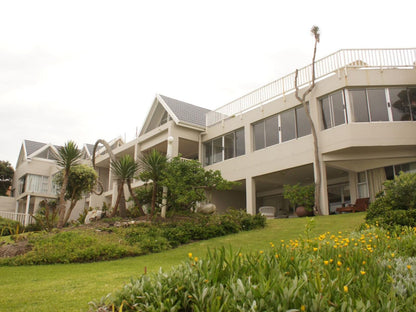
[167,108]
[149,114]
[43,148]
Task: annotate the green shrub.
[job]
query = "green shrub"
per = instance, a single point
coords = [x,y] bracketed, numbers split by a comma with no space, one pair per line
[10,227]
[397,206]
[368,270]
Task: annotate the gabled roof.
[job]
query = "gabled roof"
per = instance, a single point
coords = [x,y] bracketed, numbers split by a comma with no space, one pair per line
[32,146]
[180,112]
[185,112]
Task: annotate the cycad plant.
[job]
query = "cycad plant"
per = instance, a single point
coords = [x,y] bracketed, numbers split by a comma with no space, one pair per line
[68,156]
[125,170]
[153,164]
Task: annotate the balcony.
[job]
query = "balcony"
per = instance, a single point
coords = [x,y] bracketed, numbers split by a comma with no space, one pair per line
[336,63]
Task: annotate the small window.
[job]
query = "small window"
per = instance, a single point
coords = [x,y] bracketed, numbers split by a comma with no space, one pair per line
[288,126]
[303,126]
[258,133]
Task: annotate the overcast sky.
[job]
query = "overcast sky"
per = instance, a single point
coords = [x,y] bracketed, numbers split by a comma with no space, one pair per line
[88,70]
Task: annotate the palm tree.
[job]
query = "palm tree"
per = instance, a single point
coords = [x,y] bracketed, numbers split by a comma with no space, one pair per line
[125,169]
[67,157]
[317,163]
[153,165]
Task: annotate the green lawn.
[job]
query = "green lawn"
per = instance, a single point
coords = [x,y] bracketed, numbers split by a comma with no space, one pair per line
[70,287]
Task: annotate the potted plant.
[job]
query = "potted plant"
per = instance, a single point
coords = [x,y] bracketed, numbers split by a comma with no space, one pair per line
[300,197]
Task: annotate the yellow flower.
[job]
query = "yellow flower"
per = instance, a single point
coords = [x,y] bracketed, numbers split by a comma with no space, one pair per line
[190,255]
[339,263]
[196,259]
[346,288]
[392,255]
[303,308]
[276,256]
[409,267]
[261,251]
[362,272]
[348,269]
[364,262]
[315,249]
[326,262]
[331,260]
[389,266]
[240,254]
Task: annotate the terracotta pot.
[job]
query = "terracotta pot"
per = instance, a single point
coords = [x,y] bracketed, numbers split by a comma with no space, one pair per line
[303,212]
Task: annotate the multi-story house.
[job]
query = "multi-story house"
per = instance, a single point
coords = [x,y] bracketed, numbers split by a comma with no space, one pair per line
[33,180]
[363,107]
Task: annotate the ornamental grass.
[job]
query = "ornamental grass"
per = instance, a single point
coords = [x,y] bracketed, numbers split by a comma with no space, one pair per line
[368,270]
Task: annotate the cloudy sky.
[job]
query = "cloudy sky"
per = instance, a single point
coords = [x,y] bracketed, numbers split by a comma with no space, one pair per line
[85,70]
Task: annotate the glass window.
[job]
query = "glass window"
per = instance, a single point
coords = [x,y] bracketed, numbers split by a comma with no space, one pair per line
[240,148]
[326,113]
[271,126]
[302,122]
[362,186]
[399,104]
[412,100]
[378,104]
[217,149]
[288,128]
[359,105]
[258,133]
[229,145]
[208,153]
[338,111]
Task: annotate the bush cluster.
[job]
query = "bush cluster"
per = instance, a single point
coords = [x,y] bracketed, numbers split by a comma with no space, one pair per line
[370,270]
[86,245]
[397,205]
[9,227]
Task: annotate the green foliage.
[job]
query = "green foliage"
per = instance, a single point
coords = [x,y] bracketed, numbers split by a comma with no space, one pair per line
[188,182]
[87,245]
[300,195]
[6,176]
[47,216]
[10,227]
[69,247]
[364,271]
[397,206]
[81,180]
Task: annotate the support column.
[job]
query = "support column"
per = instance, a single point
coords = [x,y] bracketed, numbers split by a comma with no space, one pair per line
[324,190]
[27,210]
[251,195]
[165,189]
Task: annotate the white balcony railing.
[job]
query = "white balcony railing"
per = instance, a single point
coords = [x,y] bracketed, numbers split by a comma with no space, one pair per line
[23,218]
[336,62]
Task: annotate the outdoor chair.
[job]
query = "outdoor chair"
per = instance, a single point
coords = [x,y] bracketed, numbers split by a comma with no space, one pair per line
[361,204]
[267,211]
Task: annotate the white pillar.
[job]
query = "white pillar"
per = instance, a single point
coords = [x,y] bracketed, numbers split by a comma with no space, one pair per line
[165,189]
[324,190]
[251,195]
[27,210]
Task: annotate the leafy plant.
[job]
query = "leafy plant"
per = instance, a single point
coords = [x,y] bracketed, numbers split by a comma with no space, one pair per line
[397,206]
[300,195]
[10,227]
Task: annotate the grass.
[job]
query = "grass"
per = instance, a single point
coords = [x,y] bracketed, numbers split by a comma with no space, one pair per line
[69,287]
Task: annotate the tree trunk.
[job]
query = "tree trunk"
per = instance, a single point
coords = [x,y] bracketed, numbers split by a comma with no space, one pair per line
[62,206]
[120,187]
[135,199]
[123,210]
[154,199]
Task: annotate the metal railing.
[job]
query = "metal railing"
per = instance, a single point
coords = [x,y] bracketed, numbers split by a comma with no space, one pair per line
[336,62]
[23,218]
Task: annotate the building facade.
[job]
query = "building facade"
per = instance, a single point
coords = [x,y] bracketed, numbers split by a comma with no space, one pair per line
[363,107]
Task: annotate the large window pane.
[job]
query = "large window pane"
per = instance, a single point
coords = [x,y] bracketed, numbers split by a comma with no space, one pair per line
[272,130]
[240,148]
[337,100]
[399,104]
[378,104]
[229,145]
[326,113]
[359,105]
[302,122]
[258,132]
[412,99]
[217,148]
[208,153]
[288,128]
